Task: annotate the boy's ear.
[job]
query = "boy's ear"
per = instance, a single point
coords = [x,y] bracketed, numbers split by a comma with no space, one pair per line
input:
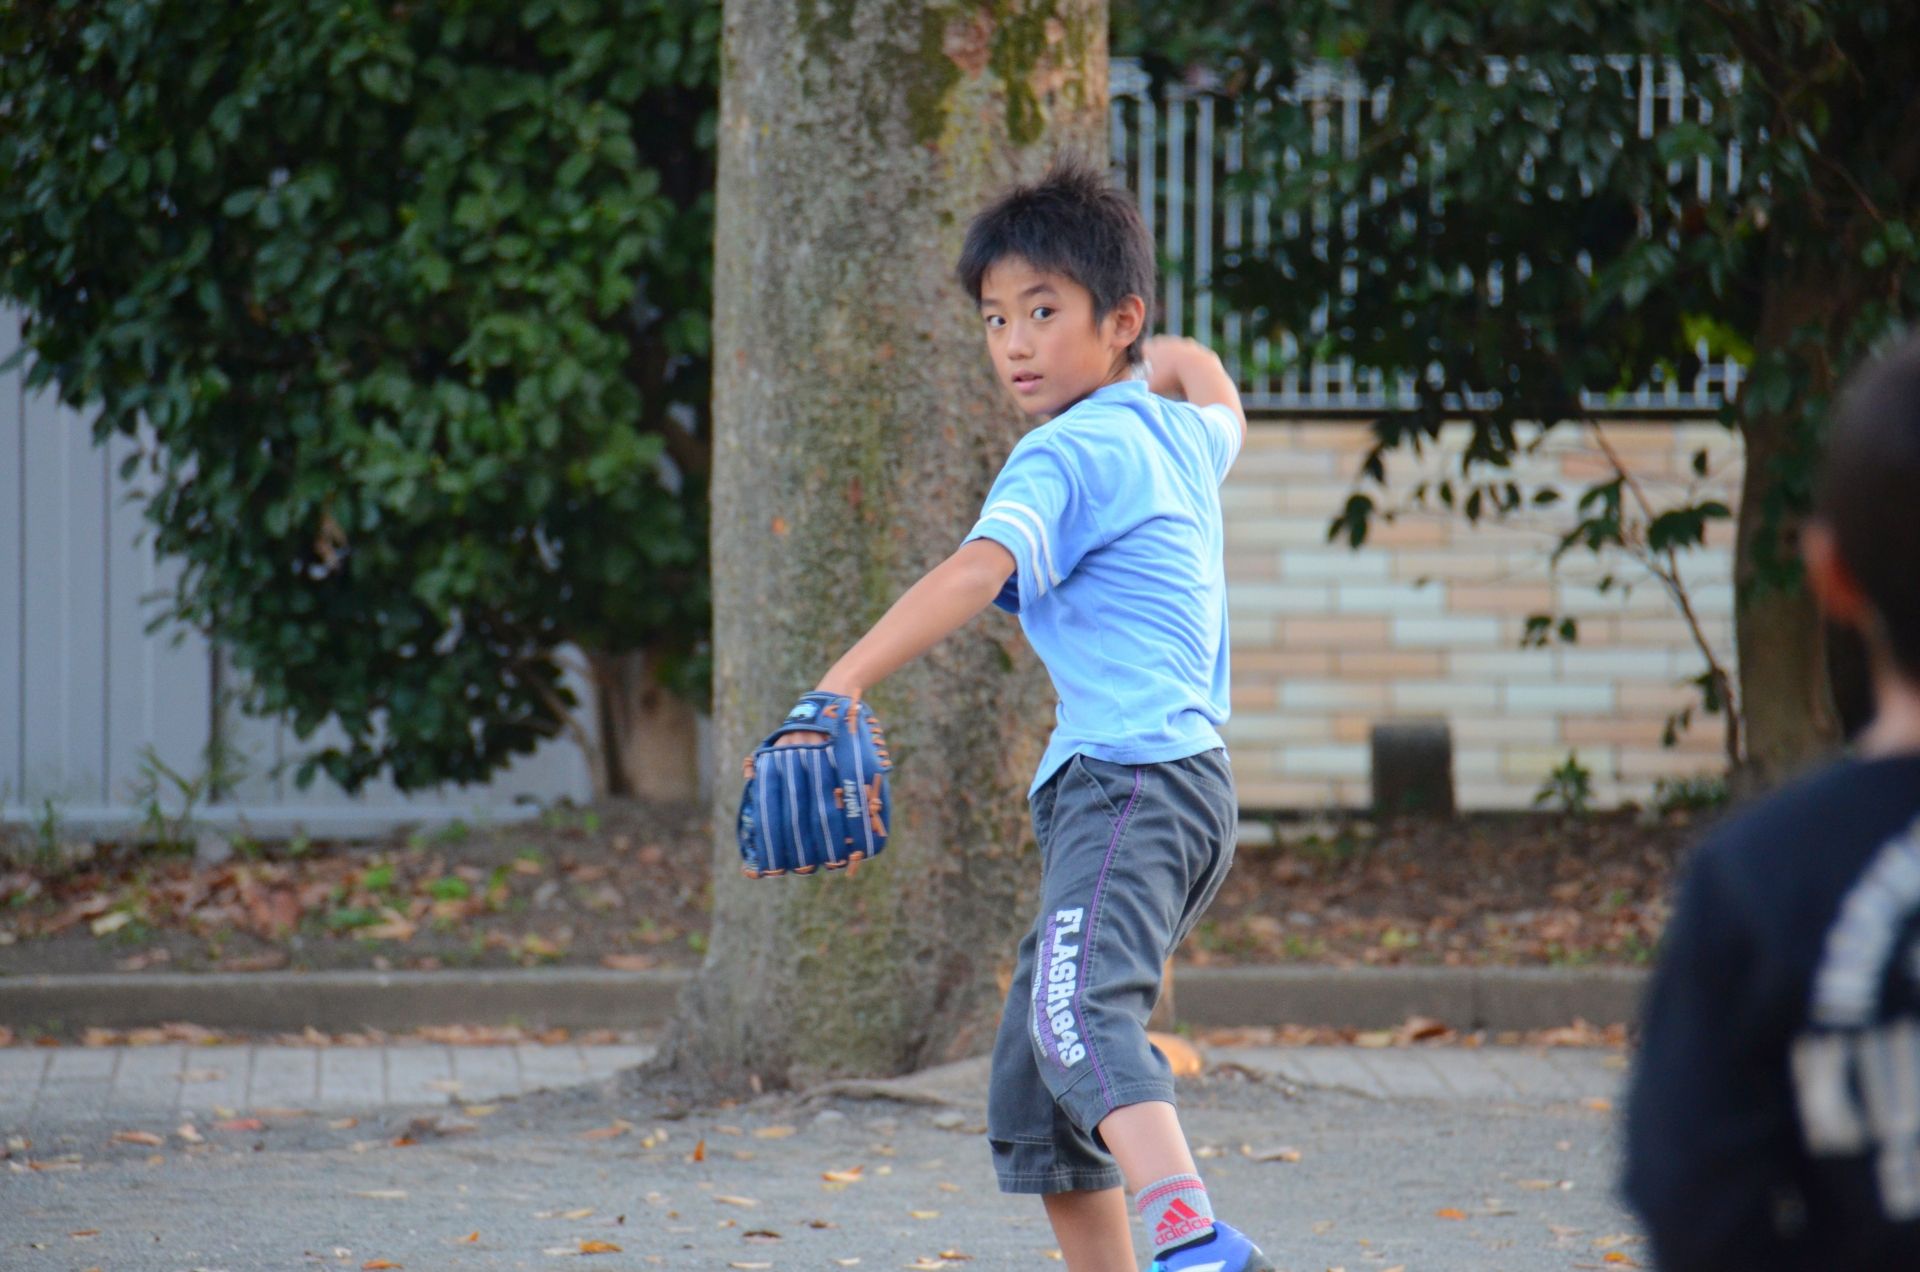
[1835,589]
[1129,318]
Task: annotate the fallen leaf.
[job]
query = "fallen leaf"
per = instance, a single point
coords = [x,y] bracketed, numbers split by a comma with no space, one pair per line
[618,1128]
[1598,1105]
[598,1247]
[1182,1055]
[84,1233]
[629,962]
[699,1153]
[924,1214]
[190,1133]
[471,1237]
[1279,1153]
[742,1264]
[372,1265]
[1374,1038]
[111,922]
[1617,1256]
[728,1199]
[381,1194]
[1449,1213]
[240,1124]
[772,1132]
[847,1176]
[147,1138]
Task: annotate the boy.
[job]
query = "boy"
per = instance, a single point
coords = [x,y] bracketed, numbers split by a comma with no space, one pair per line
[1103,533]
[1774,1120]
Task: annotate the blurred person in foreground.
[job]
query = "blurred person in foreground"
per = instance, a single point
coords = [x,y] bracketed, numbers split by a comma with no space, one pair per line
[1774,1116]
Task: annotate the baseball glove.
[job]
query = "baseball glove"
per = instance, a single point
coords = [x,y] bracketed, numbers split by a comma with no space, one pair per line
[814,804]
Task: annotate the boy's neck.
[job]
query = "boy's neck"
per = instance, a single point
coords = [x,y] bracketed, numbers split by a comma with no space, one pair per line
[1118,377]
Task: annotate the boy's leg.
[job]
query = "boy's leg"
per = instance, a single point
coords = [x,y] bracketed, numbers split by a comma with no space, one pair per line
[1147,1141]
[1136,854]
[1094,1230]
[1036,1147]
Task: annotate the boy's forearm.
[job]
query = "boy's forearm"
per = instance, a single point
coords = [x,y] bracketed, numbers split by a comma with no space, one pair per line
[1193,371]
[944,599]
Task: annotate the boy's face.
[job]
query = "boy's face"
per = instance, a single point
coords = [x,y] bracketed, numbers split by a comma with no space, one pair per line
[1046,347]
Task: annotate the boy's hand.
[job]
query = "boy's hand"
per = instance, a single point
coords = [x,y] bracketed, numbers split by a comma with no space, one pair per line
[828,685]
[1166,357]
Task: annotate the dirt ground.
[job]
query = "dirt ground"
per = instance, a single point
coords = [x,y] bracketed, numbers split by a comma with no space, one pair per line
[626,885]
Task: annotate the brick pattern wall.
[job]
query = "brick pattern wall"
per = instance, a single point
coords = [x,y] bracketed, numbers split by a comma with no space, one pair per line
[1427,620]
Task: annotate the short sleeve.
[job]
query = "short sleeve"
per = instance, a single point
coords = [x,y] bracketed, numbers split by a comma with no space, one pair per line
[1223,435]
[1038,511]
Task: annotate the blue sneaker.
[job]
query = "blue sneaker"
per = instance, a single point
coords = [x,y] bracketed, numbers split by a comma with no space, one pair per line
[1227,1250]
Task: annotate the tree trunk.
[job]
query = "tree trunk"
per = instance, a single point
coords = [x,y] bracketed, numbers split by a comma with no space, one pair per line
[857,426]
[649,748]
[1784,695]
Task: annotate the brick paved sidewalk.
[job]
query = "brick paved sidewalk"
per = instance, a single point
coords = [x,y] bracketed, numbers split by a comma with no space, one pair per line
[56,1085]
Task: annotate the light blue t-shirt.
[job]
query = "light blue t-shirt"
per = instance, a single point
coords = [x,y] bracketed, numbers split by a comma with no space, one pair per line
[1112,513]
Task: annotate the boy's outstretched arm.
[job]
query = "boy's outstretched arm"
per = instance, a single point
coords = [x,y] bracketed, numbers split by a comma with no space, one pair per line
[945,598]
[1183,367]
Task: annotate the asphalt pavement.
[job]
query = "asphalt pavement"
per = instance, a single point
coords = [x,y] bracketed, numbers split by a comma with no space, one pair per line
[239,1158]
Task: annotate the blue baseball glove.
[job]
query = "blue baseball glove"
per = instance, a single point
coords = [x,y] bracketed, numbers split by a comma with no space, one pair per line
[813,804]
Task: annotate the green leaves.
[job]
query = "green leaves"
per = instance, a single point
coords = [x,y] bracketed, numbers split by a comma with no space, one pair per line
[367,273]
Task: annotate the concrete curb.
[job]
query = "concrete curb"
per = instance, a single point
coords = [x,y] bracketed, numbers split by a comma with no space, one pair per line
[1494,998]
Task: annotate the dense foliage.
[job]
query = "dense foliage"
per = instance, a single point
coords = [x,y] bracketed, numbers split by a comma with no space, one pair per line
[1503,228]
[414,299]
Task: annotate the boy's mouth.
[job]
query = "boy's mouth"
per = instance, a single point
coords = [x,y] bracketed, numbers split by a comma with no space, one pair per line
[1025,381]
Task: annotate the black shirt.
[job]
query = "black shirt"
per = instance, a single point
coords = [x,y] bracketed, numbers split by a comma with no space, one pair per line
[1773,1120]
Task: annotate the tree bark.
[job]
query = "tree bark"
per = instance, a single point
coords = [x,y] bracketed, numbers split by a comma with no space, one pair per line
[1785,699]
[649,734]
[857,426]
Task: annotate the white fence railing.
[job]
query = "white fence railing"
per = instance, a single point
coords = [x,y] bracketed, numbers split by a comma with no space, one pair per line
[1180,161]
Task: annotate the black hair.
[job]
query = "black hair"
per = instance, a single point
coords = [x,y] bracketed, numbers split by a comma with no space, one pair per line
[1868,489]
[1073,222]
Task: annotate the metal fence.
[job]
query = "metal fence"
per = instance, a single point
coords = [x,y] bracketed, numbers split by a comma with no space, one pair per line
[1174,153]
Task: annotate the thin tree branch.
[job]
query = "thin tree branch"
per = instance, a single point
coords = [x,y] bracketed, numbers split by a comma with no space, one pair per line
[1676,587]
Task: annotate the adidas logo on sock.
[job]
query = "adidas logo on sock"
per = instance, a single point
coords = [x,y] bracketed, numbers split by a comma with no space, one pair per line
[1178,1222]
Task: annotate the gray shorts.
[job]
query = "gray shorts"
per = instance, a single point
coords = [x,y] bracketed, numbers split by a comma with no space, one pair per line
[1130,857]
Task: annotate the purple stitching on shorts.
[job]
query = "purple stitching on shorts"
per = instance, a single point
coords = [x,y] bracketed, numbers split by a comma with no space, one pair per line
[1093,930]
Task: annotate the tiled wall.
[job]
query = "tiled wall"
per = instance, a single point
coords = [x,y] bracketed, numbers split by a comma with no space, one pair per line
[1426,620]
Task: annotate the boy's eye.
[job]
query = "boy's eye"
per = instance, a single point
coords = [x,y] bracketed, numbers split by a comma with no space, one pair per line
[995,320]
[1043,311]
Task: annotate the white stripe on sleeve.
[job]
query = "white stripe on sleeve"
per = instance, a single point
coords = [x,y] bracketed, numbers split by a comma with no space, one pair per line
[1033,548]
[1040,526]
